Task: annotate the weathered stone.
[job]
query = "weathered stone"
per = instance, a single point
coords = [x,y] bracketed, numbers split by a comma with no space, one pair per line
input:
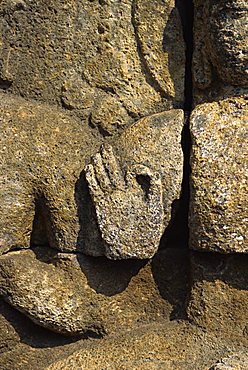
[235,361]
[9,338]
[219,294]
[79,295]
[218,210]
[107,74]
[150,342]
[174,347]
[103,66]
[133,208]
[77,54]
[220,45]
[43,151]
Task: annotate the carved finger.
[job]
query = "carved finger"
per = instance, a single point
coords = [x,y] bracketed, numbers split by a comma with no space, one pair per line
[94,187]
[101,173]
[112,166]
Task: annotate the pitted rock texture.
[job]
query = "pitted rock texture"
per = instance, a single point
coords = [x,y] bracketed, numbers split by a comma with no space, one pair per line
[44,152]
[130,218]
[79,295]
[218,210]
[151,341]
[235,361]
[228,31]
[219,294]
[174,347]
[133,206]
[220,60]
[94,58]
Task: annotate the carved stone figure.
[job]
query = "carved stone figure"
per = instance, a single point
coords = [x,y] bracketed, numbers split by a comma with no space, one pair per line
[78,75]
[102,70]
[106,62]
[220,53]
[91,165]
[90,143]
[132,199]
[218,212]
[41,168]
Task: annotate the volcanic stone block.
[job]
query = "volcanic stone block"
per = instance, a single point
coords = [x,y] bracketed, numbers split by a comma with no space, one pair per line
[219,294]
[218,217]
[44,151]
[133,190]
[80,295]
[80,55]
[220,49]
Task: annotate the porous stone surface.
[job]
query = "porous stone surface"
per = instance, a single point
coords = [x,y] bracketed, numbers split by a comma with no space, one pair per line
[220,49]
[133,205]
[173,345]
[78,295]
[218,210]
[91,163]
[107,65]
[169,341]
[44,152]
[151,348]
[108,62]
[235,361]
[219,294]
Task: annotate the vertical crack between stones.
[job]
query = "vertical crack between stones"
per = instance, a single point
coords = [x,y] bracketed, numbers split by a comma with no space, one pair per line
[186,11]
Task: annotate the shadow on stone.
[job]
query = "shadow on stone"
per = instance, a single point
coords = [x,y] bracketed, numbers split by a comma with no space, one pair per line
[89,235]
[232,269]
[15,327]
[219,293]
[109,277]
[170,269]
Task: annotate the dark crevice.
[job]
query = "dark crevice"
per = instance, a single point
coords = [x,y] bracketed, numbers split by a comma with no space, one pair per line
[39,235]
[145,183]
[186,11]
[177,233]
[5,84]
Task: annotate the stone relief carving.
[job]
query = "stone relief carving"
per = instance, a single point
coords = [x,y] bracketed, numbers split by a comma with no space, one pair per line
[133,207]
[91,164]
[78,82]
[218,215]
[104,78]
[43,165]
[220,50]
[130,218]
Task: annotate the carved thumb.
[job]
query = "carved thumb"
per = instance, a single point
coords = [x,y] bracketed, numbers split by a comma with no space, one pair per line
[153,186]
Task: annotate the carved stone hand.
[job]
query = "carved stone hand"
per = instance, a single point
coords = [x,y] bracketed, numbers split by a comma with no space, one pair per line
[129,208]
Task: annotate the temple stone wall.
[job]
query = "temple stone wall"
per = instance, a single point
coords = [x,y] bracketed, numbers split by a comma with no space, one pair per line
[123,184]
